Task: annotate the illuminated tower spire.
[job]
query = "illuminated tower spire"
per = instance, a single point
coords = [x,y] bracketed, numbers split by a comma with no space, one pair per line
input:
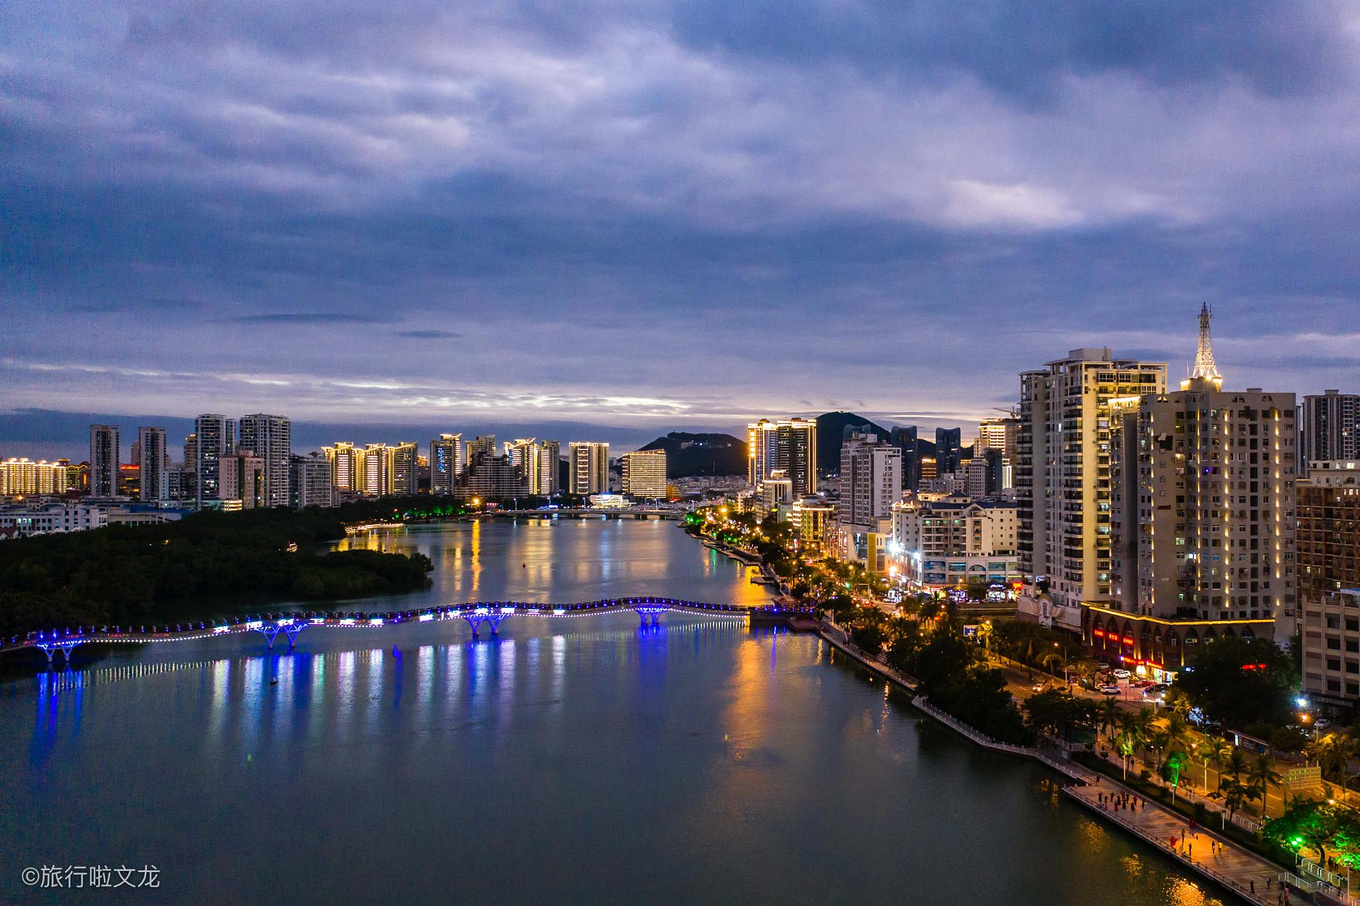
[1205,369]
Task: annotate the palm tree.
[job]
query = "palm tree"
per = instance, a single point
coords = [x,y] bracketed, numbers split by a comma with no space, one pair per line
[1212,749]
[1109,715]
[1332,753]
[1261,776]
[1132,736]
[1177,730]
[1052,660]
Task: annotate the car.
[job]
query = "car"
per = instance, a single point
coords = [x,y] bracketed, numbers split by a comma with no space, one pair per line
[1140,684]
[1109,690]
[1038,687]
[1121,673]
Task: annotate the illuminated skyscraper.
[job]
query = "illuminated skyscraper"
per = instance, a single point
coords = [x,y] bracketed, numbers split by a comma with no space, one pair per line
[788,446]
[404,469]
[644,474]
[446,463]
[589,468]
[1062,473]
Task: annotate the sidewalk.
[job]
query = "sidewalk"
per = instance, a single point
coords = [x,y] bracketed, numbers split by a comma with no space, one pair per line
[1225,862]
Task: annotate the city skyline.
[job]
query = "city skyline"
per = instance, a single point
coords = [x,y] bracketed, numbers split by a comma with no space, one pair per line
[595,245]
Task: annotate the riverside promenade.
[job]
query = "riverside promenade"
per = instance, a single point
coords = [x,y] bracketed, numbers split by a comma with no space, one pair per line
[1224,863]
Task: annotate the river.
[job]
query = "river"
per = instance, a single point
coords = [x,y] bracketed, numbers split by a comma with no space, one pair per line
[573,759]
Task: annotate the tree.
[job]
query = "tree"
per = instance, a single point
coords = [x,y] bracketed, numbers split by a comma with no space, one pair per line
[1055,713]
[1240,681]
[1171,770]
[1109,715]
[1212,750]
[1261,775]
[1332,753]
[1131,737]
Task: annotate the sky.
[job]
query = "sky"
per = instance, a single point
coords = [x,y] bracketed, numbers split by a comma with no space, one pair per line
[632,217]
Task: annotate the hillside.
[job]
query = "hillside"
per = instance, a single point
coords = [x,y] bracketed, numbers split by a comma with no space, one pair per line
[831,431]
[701,454]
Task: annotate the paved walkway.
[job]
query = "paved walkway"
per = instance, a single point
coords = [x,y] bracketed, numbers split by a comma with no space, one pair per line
[1201,851]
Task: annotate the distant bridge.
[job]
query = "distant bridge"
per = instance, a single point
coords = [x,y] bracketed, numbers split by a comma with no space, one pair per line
[271,626]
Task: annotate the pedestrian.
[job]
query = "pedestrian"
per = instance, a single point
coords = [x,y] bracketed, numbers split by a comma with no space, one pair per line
[1253,885]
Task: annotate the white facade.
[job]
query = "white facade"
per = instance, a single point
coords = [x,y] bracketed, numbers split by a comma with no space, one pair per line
[943,544]
[589,468]
[871,480]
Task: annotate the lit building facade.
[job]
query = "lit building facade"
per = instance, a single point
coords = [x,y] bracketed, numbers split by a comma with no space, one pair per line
[1204,523]
[588,468]
[25,478]
[1062,478]
[243,479]
[446,463]
[405,469]
[788,446]
[1329,581]
[644,474]
[951,543]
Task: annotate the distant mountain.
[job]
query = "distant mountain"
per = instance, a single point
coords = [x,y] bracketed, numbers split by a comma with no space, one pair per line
[701,454]
[831,431]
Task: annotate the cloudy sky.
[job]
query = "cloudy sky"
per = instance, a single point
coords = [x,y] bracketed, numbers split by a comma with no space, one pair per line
[651,215]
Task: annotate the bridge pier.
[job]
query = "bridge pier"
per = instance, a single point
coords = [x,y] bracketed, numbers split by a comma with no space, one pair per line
[650,610]
[475,621]
[495,620]
[51,648]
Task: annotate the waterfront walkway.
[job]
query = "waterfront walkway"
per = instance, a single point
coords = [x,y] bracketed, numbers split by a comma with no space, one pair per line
[1198,849]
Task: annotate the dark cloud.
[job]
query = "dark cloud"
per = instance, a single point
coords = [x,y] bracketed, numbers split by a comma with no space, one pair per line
[429,334]
[317,318]
[659,211]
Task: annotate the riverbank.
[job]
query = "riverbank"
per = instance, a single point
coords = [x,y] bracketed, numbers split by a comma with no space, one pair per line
[1225,863]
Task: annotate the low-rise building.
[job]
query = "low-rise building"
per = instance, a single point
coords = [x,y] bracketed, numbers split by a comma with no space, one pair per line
[45,518]
[939,544]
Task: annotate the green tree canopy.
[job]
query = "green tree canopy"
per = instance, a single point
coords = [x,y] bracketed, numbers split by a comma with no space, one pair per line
[1240,681]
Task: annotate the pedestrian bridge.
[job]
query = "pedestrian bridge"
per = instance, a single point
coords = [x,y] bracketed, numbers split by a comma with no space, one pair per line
[291,625]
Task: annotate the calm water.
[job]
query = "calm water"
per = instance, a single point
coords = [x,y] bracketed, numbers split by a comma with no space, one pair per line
[573,760]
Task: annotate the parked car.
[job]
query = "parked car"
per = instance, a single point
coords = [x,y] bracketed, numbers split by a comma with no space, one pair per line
[1121,673]
[1109,690]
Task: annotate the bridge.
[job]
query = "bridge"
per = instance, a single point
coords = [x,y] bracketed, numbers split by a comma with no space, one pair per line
[290,626]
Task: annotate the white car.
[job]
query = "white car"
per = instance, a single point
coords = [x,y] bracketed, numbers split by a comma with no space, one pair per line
[1121,674]
[1109,690]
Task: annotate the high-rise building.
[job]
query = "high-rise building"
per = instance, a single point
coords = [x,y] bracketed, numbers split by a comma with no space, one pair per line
[871,481]
[310,482]
[1062,477]
[1329,581]
[446,463]
[405,469]
[549,468]
[1331,428]
[481,445]
[949,449]
[489,477]
[1203,515]
[270,437]
[215,437]
[524,456]
[644,474]
[1329,528]
[788,446]
[104,453]
[905,439]
[377,471]
[23,477]
[347,467]
[999,434]
[589,468]
[241,477]
[154,462]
